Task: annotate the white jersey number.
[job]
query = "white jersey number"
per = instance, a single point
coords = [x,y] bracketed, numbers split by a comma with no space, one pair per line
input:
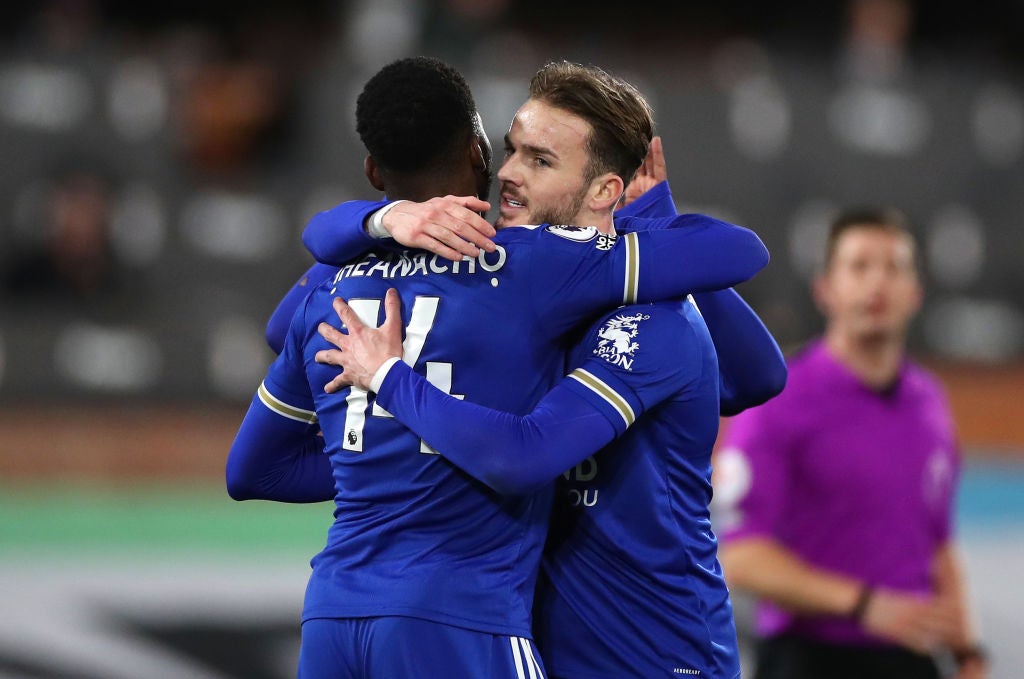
[424,311]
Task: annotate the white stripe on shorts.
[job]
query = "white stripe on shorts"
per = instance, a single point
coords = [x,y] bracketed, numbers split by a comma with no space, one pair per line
[527,666]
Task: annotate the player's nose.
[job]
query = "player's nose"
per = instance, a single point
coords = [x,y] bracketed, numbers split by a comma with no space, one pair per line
[509,171]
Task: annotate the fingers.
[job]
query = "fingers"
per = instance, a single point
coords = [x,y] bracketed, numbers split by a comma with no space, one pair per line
[944,622]
[445,240]
[925,637]
[469,237]
[918,624]
[449,227]
[462,228]
[332,335]
[392,311]
[333,357]
[362,348]
[376,347]
[647,167]
[337,384]
[470,203]
[329,356]
[656,157]
[654,168]
[454,252]
[349,319]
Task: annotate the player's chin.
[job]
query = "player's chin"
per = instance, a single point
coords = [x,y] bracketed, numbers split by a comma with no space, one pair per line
[507,218]
[876,332]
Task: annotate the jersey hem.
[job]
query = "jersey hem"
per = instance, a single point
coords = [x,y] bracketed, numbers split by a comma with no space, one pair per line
[452,621]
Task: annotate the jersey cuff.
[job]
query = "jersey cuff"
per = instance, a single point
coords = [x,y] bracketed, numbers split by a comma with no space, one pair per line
[375,225]
[620,405]
[382,372]
[283,409]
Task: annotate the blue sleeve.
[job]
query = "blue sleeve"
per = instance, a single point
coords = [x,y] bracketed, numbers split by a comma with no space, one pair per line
[511,454]
[694,253]
[669,259]
[751,366]
[655,202]
[277,454]
[750,361]
[637,357]
[274,458]
[335,236]
[281,319]
[583,413]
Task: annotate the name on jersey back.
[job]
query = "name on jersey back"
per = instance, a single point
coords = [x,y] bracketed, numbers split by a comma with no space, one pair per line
[388,265]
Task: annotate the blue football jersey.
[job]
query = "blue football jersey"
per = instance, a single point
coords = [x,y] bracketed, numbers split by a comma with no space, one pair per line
[631,584]
[412,534]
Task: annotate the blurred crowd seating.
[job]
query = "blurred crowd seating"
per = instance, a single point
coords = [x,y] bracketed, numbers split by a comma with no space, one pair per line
[157,172]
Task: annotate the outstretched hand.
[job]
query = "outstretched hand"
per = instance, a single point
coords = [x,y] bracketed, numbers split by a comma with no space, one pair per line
[652,172]
[449,227]
[363,349]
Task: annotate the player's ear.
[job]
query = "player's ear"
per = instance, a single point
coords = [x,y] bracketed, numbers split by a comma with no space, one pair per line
[476,153]
[373,173]
[917,295]
[605,191]
[821,291]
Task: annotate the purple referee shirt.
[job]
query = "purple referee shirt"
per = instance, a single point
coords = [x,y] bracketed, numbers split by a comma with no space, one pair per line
[852,480]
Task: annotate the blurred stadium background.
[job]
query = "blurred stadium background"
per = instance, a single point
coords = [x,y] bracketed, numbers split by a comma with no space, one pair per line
[159,162]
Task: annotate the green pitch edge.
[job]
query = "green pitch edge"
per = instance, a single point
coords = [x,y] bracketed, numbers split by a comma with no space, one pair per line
[154,519]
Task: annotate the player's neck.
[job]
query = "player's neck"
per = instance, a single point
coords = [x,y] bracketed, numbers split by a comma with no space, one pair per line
[875,360]
[604,221]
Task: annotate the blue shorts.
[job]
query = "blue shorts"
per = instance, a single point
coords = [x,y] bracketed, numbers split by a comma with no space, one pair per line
[394,646]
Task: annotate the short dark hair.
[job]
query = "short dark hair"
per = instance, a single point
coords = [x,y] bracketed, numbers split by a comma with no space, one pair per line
[414,115]
[883,218]
[621,119]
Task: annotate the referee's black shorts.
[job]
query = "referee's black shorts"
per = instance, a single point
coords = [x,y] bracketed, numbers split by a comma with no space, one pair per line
[792,657]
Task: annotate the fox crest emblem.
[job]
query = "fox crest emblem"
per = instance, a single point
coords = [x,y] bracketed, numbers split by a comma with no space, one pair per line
[617,342]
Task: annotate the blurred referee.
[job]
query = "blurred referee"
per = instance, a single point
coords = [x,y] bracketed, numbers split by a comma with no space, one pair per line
[835,499]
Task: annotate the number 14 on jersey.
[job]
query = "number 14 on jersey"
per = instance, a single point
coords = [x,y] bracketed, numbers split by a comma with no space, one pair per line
[424,313]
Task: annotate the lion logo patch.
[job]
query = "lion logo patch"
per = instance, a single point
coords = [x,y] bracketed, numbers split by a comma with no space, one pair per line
[617,343]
